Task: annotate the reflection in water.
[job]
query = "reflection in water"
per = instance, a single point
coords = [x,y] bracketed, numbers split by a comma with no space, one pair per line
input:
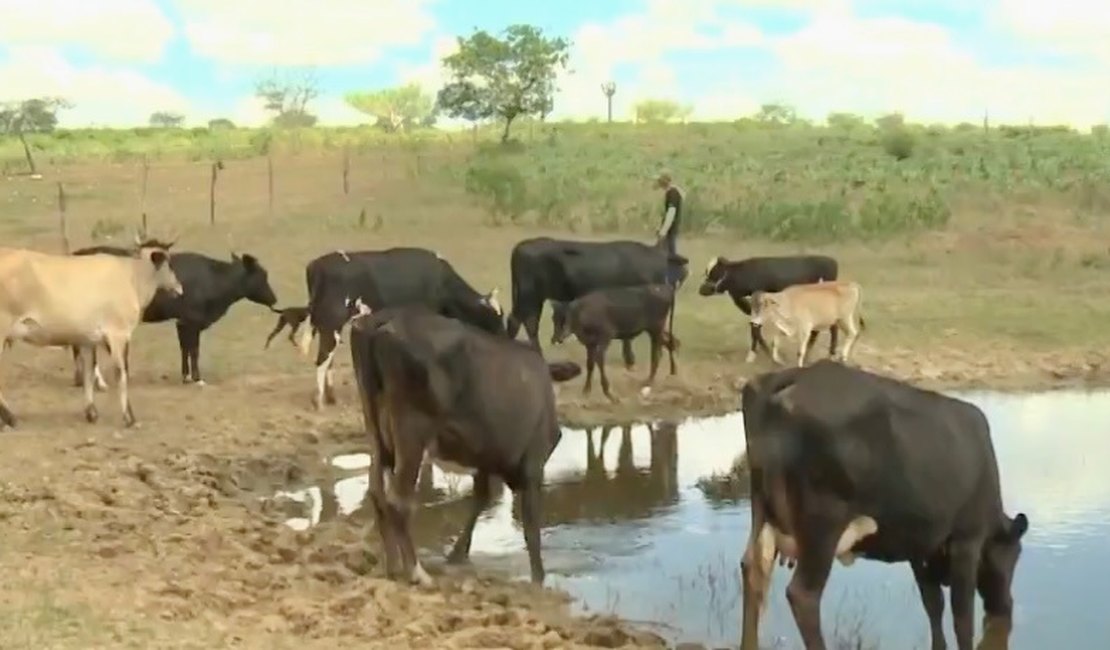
[636,526]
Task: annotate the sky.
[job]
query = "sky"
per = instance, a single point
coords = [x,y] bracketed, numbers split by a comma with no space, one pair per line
[933,60]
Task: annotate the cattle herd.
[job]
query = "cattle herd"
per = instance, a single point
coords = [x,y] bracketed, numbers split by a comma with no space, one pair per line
[844,463]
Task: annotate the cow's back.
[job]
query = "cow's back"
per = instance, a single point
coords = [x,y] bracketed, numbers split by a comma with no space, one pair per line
[919,462]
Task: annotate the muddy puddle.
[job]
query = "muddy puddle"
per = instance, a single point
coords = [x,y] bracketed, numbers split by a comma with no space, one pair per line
[648,521]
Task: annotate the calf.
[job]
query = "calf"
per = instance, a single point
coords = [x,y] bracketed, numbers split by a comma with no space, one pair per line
[468,398]
[743,278]
[83,301]
[802,309]
[846,463]
[618,313]
[211,287]
[387,278]
[561,270]
[292,317]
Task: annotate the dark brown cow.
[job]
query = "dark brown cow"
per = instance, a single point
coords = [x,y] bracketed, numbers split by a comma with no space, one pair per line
[469,399]
[621,313]
[846,463]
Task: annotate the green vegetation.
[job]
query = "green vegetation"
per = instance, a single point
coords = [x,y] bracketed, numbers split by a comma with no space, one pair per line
[756,178]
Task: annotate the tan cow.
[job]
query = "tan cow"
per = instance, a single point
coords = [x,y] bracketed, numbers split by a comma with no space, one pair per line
[801,309]
[83,301]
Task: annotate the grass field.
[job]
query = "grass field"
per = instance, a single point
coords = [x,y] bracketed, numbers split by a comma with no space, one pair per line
[982,258]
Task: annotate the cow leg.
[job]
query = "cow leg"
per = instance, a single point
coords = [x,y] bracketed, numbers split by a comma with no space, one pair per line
[626,352]
[85,353]
[325,354]
[591,361]
[775,348]
[185,342]
[671,342]
[602,349]
[756,333]
[656,352]
[118,348]
[805,337]
[963,568]
[530,503]
[479,501]
[382,517]
[833,332]
[401,497]
[852,325]
[756,568]
[810,576]
[329,377]
[932,597]
[194,358]
[6,415]
[809,346]
[78,367]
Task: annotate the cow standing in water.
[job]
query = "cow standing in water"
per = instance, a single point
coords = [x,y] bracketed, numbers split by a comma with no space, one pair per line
[83,301]
[846,463]
[467,399]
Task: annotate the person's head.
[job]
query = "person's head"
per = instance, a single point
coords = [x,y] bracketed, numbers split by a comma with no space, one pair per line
[663,180]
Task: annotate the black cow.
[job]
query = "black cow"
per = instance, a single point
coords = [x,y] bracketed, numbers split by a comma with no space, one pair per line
[291,317]
[561,270]
[617,313]
[385,278]
[435,385]
[210,286]
[743,278]
[847,463]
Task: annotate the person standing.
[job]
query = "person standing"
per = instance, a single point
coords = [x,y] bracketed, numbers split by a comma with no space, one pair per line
[667,235]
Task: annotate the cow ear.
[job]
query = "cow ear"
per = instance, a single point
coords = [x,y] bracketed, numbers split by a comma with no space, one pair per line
[249,261]
[1019,526]
[157,258]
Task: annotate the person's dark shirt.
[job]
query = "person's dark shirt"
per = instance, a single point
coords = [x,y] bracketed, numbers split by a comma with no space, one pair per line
[672,198]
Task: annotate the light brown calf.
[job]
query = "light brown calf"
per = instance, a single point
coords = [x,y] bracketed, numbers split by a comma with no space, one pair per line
[799,310]
[83,301]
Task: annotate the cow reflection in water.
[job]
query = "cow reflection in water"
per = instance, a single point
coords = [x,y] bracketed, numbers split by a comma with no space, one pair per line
[629,493]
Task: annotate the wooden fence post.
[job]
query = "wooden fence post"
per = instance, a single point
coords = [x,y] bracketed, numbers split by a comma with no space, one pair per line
[216,167]
[346,169]
[270,183]
[142,191]
[62,218]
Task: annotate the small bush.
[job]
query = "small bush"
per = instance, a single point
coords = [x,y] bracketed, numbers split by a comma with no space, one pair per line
[898,143]
[501,185]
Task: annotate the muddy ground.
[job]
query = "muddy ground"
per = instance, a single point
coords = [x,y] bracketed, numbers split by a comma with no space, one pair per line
[158,536]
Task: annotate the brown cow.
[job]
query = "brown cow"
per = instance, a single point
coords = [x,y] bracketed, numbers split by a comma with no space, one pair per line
[84,301]
[802,309]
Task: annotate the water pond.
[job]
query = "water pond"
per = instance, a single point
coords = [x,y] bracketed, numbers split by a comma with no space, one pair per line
[636,524]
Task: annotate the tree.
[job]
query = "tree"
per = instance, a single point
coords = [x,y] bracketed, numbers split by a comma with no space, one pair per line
[220,123]
[39,115]
[166,119]
[776,114]
[890,121]
[503,78]
[287,98]
[845,121]
[397,109]
[657,111]
[609,88]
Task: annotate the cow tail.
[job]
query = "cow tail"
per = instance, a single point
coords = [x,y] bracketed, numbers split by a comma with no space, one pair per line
[309,332]
[305,343]
[670,317]
[859,308]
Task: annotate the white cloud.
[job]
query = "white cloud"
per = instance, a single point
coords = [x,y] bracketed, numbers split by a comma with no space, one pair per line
[872,66]
[1067,26]
[303,32]
[102,96]
[130,30]
[642,41]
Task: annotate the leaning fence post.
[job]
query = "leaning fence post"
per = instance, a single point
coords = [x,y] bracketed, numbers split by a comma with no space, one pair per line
[62,218]
[216,166]
[346,169]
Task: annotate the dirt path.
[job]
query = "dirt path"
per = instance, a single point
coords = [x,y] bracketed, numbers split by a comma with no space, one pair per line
[157,537]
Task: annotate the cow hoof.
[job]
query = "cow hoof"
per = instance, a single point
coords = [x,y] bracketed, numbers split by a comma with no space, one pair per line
[645,391]
[750,357]
[91,414]
[458,559]
[129,421]
[201,383]
[420,577]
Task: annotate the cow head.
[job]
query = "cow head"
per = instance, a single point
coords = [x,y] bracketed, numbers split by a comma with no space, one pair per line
[164,277]
[560,326]
[759,303]
[715,274]
[996,573]
[490,316]
[256,282]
